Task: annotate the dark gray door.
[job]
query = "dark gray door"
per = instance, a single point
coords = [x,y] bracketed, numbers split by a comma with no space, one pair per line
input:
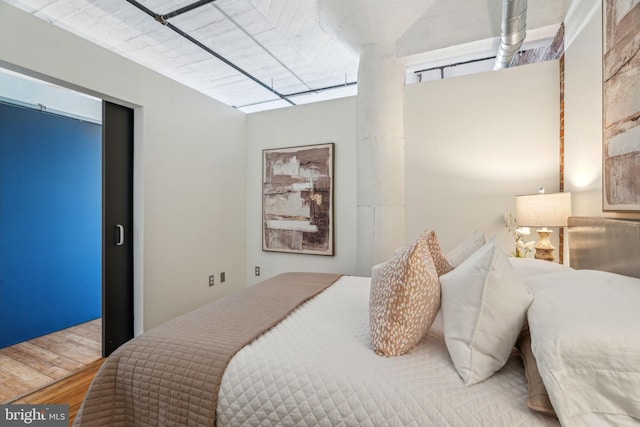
[117,231]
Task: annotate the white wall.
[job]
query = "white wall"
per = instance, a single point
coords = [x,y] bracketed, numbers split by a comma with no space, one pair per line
[329,121]
[189,160]
[583,106]
[475,142]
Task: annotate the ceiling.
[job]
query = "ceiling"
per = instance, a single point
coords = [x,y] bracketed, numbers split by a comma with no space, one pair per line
[263,54]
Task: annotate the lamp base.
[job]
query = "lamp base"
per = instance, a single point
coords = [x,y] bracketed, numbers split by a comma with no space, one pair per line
[544,248]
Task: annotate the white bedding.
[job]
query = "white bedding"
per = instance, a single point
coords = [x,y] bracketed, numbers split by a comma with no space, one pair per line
[317,368]
[585,335]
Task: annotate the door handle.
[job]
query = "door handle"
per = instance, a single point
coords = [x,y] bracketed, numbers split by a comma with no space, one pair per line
[120,241]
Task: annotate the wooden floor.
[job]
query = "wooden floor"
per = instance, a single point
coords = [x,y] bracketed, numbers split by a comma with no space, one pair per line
[68,391]
[32,365]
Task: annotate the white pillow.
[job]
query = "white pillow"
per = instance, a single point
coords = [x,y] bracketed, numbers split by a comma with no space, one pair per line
[585,336]
[484,304]
[461,252]
[533,267]
[376,268]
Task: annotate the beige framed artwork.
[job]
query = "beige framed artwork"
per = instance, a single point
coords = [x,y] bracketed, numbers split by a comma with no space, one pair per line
[621,105]
[297,199]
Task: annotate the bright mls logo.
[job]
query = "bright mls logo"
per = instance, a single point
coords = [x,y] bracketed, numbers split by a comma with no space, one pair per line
[34,415]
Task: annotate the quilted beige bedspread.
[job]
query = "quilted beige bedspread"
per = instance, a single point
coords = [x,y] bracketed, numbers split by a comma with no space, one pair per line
[171,374]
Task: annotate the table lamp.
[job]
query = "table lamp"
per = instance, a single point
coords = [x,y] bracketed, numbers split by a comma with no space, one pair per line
[543,210]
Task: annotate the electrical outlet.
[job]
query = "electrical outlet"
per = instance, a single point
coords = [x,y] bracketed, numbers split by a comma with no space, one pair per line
[212,280]
[257,271]
[222,277]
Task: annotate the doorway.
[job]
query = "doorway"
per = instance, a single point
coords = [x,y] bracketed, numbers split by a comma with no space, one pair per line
[51,211]
[115,226]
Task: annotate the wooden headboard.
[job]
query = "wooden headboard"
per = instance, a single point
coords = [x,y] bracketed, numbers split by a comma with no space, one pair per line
[606,244]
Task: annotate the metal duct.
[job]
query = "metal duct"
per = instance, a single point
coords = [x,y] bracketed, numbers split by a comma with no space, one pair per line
[514,26]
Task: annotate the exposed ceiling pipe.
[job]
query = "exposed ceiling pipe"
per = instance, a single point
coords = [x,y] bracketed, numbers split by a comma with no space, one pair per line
[514,30]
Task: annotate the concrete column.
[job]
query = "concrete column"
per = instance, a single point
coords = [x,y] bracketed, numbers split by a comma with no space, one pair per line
[380,144]
[372,27]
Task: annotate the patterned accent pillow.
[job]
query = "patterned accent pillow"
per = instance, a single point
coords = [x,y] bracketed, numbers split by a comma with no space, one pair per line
[443,266]
[404,300]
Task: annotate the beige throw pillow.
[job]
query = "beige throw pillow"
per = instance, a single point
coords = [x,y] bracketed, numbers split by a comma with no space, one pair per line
[443,266]
[404,300]
[537,398]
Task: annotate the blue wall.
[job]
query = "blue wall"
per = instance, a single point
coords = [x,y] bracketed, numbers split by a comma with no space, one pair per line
[50,223]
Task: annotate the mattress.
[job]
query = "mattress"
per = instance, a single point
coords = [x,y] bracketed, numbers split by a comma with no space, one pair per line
[317,368]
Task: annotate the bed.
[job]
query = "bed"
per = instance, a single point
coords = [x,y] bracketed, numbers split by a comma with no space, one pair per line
[310,360]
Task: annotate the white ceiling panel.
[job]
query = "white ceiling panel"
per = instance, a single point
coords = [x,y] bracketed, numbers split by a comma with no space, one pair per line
[62,9]
[30,5]
[265,106]
[244,92]
[252,21]
[164,7]
[261,6]
[236,8]
[286,14]
[208,70]
[276,8]
[206,19]
[342,92]
[240,46]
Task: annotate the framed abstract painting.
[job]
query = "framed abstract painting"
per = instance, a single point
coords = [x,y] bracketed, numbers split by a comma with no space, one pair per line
[297,199]
[621,106]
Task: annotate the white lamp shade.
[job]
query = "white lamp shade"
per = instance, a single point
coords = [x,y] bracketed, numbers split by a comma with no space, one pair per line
[543,210]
